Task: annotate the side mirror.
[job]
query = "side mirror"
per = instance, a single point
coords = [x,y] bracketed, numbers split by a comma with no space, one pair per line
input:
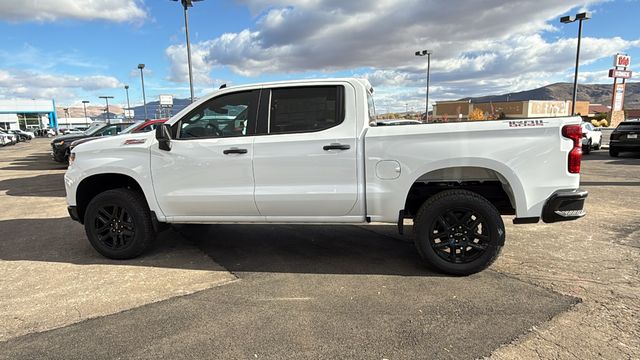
[163,135]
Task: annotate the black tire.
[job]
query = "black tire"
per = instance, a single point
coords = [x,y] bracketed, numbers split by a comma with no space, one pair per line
[118,224]
[613,152]
[597,147]
[471,225]
[586,149]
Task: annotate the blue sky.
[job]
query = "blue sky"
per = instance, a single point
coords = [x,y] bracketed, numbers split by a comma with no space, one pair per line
[53,49]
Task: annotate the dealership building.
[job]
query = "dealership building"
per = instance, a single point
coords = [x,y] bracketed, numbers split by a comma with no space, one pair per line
[459,110]
[28,114]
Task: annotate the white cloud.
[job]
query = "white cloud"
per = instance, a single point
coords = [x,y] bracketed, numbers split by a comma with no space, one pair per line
[179,70]
[479,48]
[26,84]
[52,10]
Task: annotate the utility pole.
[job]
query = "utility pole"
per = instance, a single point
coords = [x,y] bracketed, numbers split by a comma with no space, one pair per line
[106,99]
[186,4]
[566,20]
[84,105]
[144,97]
[428,54]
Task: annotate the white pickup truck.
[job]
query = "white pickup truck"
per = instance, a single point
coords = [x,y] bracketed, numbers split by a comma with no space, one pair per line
[312,152]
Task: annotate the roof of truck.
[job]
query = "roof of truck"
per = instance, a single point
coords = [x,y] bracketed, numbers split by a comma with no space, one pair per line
[364,82]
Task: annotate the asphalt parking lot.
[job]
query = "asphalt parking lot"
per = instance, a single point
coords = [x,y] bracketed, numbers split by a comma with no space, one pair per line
[567,290]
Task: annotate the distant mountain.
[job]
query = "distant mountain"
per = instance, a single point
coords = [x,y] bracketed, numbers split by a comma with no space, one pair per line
[153,109]
[92,111]
[97,111]
[594,93]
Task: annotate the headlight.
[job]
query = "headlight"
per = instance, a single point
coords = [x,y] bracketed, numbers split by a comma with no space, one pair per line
[59,143]
[72,158]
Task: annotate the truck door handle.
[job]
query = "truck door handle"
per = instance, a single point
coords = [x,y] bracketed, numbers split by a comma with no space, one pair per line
[336,146]
[234,150]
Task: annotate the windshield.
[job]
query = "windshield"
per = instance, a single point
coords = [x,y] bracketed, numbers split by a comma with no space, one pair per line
[93,130]
[130,128]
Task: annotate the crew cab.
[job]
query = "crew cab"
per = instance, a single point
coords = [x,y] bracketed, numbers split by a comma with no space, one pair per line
[311,151]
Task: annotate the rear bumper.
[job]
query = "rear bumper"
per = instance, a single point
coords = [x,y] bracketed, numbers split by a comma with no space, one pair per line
[625,145]
[564,205]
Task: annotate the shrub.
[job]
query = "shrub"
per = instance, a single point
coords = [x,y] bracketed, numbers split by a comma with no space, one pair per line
[476,114]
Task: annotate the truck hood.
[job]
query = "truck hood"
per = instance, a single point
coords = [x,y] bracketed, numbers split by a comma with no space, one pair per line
[107,143]
[69,137]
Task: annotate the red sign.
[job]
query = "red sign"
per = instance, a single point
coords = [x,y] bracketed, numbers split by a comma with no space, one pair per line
[621,60]
[620,74]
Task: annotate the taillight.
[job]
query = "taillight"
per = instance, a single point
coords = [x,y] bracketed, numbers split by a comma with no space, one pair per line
[574,132]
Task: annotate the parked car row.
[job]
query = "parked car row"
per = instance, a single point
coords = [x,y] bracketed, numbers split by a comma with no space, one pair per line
[12,136]
[7,139]
[61,146]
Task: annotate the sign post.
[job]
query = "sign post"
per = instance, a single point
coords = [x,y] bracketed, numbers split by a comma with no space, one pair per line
[166,106]
[620,64]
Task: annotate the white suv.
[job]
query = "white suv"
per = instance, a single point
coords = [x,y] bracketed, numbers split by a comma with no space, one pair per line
[591,138]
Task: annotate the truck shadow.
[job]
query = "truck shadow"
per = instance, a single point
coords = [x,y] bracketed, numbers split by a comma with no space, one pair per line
[48,185]
[313,249]
[36,161]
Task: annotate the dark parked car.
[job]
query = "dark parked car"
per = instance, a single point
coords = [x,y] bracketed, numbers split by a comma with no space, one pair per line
[626,137]
[60,145]
[139,127]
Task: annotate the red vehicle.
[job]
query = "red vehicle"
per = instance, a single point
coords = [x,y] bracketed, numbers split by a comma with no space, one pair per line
[139,127]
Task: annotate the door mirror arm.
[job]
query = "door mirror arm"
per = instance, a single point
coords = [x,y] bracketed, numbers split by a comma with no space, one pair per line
[163,135]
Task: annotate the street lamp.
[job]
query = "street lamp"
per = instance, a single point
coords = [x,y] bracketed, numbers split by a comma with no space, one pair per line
[66,115]
[566,20]
[126,89]
[144,98]
[84,105]
[428,53]
[186,4]
[106,99]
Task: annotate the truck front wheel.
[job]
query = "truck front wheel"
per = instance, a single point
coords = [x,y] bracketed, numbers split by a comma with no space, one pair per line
[118,224]
[458,232]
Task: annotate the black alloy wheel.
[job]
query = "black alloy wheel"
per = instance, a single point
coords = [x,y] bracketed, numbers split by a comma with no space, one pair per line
[114,227]
[459,235]
[118,224]
[458,232]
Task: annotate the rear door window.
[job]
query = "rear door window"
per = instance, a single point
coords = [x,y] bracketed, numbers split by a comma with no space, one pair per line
[305,109]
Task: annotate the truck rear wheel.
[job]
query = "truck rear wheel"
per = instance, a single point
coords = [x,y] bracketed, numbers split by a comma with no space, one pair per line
[458,232]
[118,224]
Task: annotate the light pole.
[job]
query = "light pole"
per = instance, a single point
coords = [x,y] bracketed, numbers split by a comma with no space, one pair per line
[566,20]
[106,99]
[186,4]
[144,97]
[126,89]
[428,53]
[84,105]
[66,116]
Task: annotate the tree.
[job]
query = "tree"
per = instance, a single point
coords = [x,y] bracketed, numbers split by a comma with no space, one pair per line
[476,114]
